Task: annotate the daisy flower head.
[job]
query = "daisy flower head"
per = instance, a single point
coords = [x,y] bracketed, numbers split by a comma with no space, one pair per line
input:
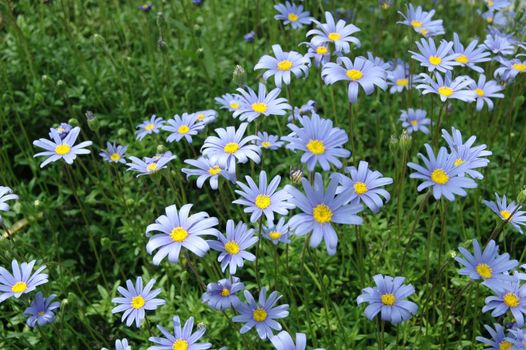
[497,4]
[434,58]
[145,7]
[488,265]
[261,314]
[121,344]
[509,212]
[497,341]
[42,310]
[283,65]
[231,102]
[150,165]
[208,170]
[184,126]
[448,88]
[471,55]
[517,338]
[320,142]
[148,127]
[277,233]
[440,173]
[378,61]
[250,36]
[399,78]
[206,117]
[421,21]
[263,199]
[320,209]
[233,246]
[508,296]
[58,148]
[231,146]
[510,68]
[255,105]
[178,229]
[320,53]
[292,14]
[361,72]
[299,112]
[135,300]
[114,153]
[485,91]
[431,29]
[284,341]
[21,280]
[266,141]
[62,130]
[340,33]
[221,295]
[499,44]
[183,338]
[388,298]
[365,186]
[415,120]
[6,194]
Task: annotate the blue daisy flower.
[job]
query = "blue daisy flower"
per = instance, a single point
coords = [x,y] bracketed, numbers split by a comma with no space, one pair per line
[471,55]
[261,314]
[183,338]
[277,233]
[337,33]
[152,126]
[385,4]
[221,295]
[58,148]
[365,185]
[135,300]
[497,341]
[21,281]
[266,141]
[499,44]
[434,58]
[431,29]
[207,116]
[292,14]
[485,91]
[255,105]
[284,341]
[185,126]
[6,194]
[263,200]
[120,344]
[62,130]
[497,4]
[510,69]
[232,102]
[42,310]
[508,296]
[508,212]
[320,209]
[233,246]
[320,53]
[387,298]
[114,153]
[441,174]
[250,36]
[517,338]
[361,72]
[320,142]
[415,120]
[231,146]
[207,170]
[283,66]
[378,61]
[145,7]
[399,78]
[149,165]
[421,21]
[487,265]
[179,229]
[304,110]
[448,88]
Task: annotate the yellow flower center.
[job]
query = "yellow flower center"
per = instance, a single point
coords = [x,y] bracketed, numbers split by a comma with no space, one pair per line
[462,59]
[41,313]
[274,235]
[19,287]
[385,6]
[459,161]
[262,201]
[316,147]
[292,17]
[259,315]
[321,50]
[266,144]
[484,271]
[150,168]
[388,299]
[416,24]
[260,107]
[180,344]
[62,149]
[402,82]
[225,292]
[183,129]
[505,345]
[149,127]
[334,36]
[61,129]
[232,248]
[200,116]
[137,302]
[511,300]
[521,67]
[231,147]
[480,92]
[234,105]
[424,31]
[489,20]
[435,60]
[360,188]
[445,91]
[505,214]
[284,65]
[354,74]
[214,170]
[439,176]
[414,122]
[322,214]
[179,234]
[115,157]
[490,3]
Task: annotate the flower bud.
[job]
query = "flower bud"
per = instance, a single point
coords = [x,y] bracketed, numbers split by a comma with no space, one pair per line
[239,76]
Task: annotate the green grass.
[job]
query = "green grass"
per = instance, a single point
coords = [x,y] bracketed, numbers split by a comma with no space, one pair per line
[86,222]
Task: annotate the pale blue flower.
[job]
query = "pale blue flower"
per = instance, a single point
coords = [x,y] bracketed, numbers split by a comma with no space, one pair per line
[277,233]
[497,341]
[59,148]
[255,105]
[320,53]
[150,165]
[42,310]
[283,65]
[114,153]
[266,141]
[499,45]
[510,68]
[152,126]
[471,55]
[448,88]
[337,33]
[508,296]
[222,295]
[509,212]
[21,281]
[121,344]
[415,120]
[208,170]
[206,116]
[232,102]
[485,90]
[183,338]
[434,58]
[184,126]
[6,194]
[292,14]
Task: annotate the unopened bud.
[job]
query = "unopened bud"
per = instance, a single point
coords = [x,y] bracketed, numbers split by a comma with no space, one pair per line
[521,197]
[239,76]
[405,140]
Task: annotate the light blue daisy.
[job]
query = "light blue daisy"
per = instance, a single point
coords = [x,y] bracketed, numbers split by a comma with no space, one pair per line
[434,58]
[283,65]
[509,212]
[21,280]
[232,102]
[278,233]
[183,337]
[292,14]
[499,44]
[6,194]
[497,341]
[152,126]
[121,344]
[320,53]
[485,91]
[208,170]
[58,148]
[471,55]
[340,33]
[42,310]
[507,296]
[222,295]
[255,105]
[415,120]
[114,153]
[150,165]
[184,126]
[448,88]
[266,141]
